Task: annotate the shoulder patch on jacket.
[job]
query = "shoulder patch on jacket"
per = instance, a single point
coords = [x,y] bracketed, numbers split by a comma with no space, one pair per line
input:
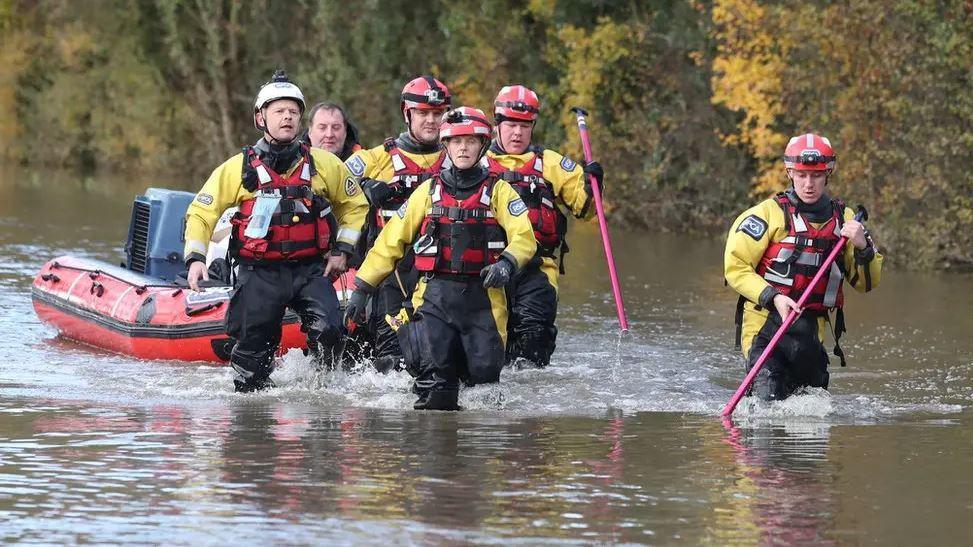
[205,199]
[568,164]
[517,207]
[357,166]
[753,226]
[351,187]
[401,210]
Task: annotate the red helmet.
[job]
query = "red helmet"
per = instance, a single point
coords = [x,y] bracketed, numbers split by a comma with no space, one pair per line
[425,93]
[464,120]
[809,152]
[516,102]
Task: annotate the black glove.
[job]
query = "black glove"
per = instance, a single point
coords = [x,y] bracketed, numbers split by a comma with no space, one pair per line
[594,169]
[378,192]
[497,274]
[357,304]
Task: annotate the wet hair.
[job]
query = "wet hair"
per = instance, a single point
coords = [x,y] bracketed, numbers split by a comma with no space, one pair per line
[326,105]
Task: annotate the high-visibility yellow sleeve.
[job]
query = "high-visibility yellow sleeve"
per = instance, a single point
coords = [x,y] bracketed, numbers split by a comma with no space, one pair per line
[376,163]
[335,182]
[396,237]
[863,277]
[567,178]
[511,213]
[367,163]
[749,237]
[222,190]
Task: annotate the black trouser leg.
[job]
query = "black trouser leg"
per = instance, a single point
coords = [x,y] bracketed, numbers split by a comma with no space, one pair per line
[437,383]
[389,301]
[798,361]
[316,303]
[254,320]
[457,339]
[531,333]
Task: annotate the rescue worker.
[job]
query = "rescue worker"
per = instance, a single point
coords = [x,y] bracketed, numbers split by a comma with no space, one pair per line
[388,175]
[545,180]
[330,129]
[774,250]
[463,225]
[300,215]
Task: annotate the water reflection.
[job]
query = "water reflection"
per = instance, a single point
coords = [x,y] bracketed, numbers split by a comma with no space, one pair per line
[783,492]
[273,463]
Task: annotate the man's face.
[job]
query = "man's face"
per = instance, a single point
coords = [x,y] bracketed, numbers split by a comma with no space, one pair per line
[809,185]
[282,118]
[515,136]
[425,124]
[328,130]
[464,151]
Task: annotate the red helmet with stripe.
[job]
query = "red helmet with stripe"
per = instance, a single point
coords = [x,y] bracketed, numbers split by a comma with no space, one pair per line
[809,152]
[464,120]
[516,102]
[425,93]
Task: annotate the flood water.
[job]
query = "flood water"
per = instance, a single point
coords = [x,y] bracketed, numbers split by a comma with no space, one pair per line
[617,442]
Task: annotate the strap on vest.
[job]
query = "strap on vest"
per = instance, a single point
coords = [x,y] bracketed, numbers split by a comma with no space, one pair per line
[249,174]
[738,321]
[287,219]
[459,214]
[290,246]
[309,159]
[564,250]
[837,329]
[251,180]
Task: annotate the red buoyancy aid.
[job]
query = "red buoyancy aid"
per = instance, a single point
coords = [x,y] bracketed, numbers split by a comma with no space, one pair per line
[548,221]
[303,223]
[459,237]
[790,264]
[406,174]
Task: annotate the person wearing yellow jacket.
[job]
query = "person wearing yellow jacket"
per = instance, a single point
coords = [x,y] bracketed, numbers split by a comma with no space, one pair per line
[773,251]
[463,225]
[546,181]
[298,208]
[388,174]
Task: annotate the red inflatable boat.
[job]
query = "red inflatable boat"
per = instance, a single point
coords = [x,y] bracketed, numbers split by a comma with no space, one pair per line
[121,310]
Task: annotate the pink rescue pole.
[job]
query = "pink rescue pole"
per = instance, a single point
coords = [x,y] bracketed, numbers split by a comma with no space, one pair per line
[791,317]
[605,238]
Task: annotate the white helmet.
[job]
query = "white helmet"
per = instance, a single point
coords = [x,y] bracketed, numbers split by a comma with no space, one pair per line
[279,87]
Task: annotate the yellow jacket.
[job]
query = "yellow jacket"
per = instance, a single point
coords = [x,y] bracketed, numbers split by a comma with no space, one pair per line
[567,181]
[564,174]
[376,163]
[224,189]
[745,248]
[402,229]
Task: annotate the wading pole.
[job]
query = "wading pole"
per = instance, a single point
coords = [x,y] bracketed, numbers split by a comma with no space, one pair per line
[605,238]
[862,215]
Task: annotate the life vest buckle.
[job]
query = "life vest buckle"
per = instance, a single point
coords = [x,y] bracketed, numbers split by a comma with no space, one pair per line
[771,268]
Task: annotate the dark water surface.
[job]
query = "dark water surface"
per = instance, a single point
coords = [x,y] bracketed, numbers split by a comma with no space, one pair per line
[616,443]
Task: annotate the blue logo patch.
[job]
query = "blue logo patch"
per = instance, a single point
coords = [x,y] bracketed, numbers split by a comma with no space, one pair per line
[753,226]
[205,199]
[517,207]
[568,164]
[401,210]
[357,166]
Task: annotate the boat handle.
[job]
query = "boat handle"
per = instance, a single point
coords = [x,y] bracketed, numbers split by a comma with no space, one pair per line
[50,277]
[196,311]
[97,287]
